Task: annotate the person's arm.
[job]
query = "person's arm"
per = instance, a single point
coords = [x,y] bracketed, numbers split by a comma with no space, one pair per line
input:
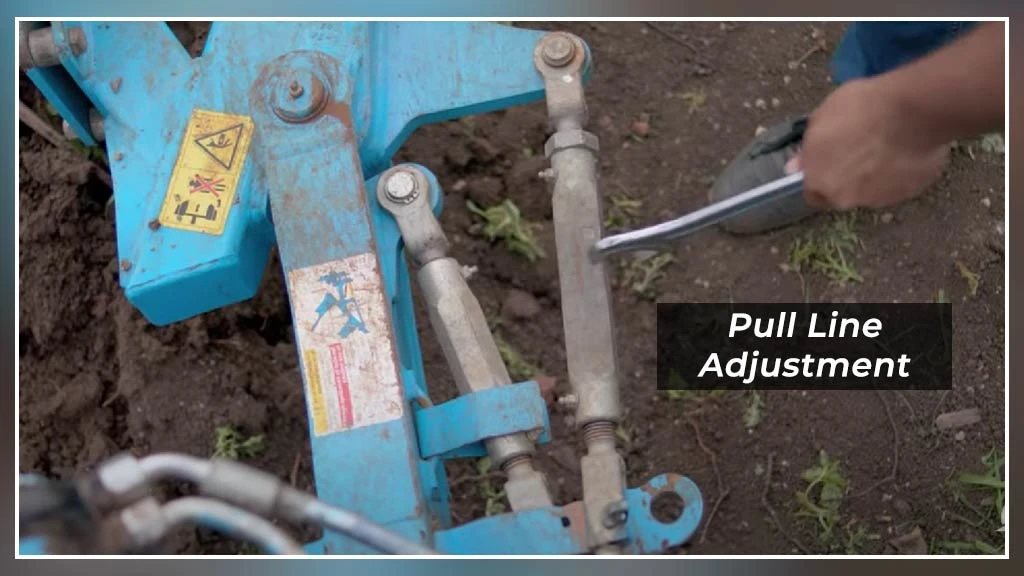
[957,91]
[879,141]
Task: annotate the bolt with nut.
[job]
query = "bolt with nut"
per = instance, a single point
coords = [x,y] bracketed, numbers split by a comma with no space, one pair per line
[300,95]
[615,514]
[401,186]
[558,50]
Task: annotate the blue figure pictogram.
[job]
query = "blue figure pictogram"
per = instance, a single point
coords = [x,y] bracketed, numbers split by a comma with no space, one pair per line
[345,302]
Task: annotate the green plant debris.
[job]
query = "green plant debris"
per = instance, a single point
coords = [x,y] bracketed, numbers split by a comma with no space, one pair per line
[989,483]
[468,124]
[623,434]
[694,396]
[518,368]
[823,495]
[680,392]
[94,153]
[856,538]
[695,100]
[973,548]
[494,498]
[940,297]
[754,413]
[503,222]
[993,144]
[828,251]
[233,445]
[622,212]
[642,274]
[971,278]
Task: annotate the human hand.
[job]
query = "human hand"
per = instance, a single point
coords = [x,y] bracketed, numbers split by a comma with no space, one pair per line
[862,148]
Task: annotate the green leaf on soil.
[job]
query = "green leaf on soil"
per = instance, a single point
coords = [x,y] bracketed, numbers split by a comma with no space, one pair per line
[642,274]
[622,212]
[970,277]
[233,445]
[975,547]
[682,394]
[828,251]
[695,100]
[494,498]
[856,538]
[623,434]
[518,368]
[990,482]
[503,222]
[993,144]
[755,411]
[483,465]
[823,495]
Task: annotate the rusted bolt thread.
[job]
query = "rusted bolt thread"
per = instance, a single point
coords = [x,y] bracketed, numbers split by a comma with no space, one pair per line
[597,431]
[516,461]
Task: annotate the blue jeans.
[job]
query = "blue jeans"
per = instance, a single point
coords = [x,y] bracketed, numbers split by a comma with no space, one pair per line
[872,48]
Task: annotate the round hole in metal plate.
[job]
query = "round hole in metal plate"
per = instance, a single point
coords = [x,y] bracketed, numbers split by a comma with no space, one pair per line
[667,507]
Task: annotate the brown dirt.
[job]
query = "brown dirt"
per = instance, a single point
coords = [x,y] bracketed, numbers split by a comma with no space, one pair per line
[96,378]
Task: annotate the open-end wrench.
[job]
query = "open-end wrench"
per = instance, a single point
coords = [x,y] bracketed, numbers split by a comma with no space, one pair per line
[654,237]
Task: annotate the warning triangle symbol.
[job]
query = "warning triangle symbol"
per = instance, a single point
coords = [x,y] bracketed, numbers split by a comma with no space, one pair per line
[221,145]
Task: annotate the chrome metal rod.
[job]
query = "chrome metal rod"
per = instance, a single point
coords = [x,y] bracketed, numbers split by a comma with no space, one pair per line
[171,466]
[358,528]
[232,521]
[656,236]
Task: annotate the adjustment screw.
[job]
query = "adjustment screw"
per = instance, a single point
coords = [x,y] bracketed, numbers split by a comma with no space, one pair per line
[558,50]
[400,186]
[295,90]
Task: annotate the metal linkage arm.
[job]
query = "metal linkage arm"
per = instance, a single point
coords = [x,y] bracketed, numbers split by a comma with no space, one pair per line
[460,324]
[587,320]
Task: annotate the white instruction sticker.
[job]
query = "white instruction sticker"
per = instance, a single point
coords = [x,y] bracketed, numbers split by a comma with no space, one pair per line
[348,361]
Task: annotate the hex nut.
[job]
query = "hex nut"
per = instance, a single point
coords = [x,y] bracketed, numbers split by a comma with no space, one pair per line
[564,139]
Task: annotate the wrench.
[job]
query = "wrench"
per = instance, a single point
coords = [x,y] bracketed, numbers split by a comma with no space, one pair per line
[658,235]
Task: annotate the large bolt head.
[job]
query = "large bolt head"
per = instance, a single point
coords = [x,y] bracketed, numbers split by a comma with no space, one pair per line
[615,514]
[299,95]
[558,50]
[401,186]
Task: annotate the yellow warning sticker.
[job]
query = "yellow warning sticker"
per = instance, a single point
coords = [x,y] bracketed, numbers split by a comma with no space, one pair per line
[316,400]
[205,177]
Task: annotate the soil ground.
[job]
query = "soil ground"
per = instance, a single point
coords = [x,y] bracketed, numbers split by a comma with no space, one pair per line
[96,378]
